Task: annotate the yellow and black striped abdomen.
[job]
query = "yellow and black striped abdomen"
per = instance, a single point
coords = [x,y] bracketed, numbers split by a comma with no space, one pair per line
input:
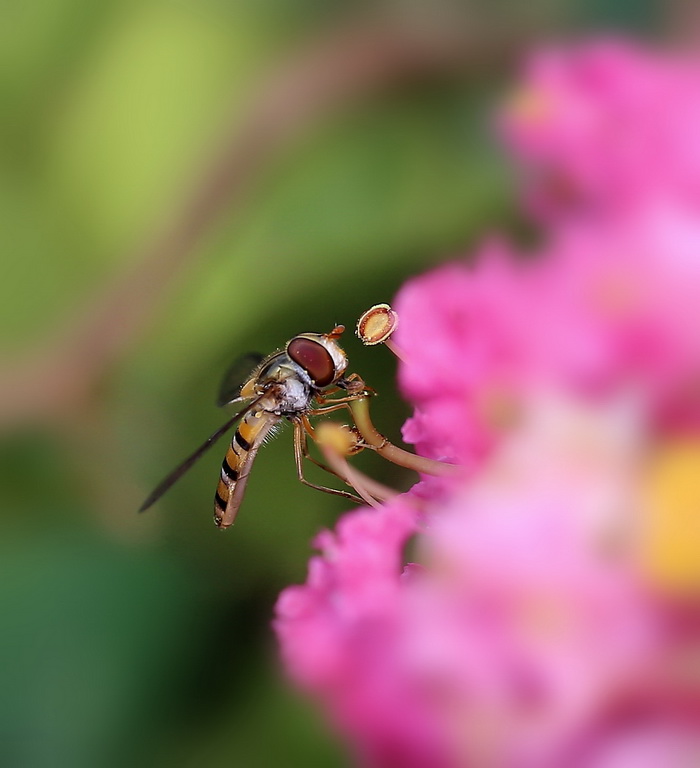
[237,463]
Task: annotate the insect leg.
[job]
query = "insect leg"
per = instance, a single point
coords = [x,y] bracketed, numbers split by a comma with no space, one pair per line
[338,400]
[309,431]
[370,490]
[301,451]
[336,405]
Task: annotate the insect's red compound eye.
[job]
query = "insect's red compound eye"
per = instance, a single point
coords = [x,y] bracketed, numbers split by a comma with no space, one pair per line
[314,358]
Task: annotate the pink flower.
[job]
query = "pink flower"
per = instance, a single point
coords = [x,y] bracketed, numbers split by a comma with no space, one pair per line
[525,626]
[599,126]
[604,305]
[531,632]
[644,746]
[355,580]
[476,351]
[339,633]
[624,291]
[474,658]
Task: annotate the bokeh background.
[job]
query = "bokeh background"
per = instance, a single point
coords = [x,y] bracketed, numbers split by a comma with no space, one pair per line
[181,182]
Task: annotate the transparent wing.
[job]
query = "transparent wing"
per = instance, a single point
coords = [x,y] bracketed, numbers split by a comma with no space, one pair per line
[236,376]
[180,470]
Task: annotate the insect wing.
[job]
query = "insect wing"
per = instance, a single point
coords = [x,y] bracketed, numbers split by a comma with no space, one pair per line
[180,470]
[236,376]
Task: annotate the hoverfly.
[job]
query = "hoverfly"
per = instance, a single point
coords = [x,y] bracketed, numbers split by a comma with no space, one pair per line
[292,384]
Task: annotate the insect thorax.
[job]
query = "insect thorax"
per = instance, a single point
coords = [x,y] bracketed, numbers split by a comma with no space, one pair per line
[293,390]
[296,396]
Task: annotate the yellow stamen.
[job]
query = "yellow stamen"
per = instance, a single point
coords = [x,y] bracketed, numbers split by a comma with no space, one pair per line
[670,544]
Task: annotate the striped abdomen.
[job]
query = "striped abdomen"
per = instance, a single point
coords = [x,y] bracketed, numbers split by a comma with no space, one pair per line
[237,464]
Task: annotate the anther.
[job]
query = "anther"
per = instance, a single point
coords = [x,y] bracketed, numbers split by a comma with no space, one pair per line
[376,326]
[341,438]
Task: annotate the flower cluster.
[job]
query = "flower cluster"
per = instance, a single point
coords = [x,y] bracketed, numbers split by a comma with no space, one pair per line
[604,126]
[551,615]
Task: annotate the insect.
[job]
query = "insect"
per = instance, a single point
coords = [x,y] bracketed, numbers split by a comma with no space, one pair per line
[293,384]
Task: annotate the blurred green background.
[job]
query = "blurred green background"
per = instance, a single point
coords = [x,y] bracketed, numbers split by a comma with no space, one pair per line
[146,640]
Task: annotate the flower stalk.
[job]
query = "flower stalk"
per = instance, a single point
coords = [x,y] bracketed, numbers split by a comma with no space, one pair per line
[377,442]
